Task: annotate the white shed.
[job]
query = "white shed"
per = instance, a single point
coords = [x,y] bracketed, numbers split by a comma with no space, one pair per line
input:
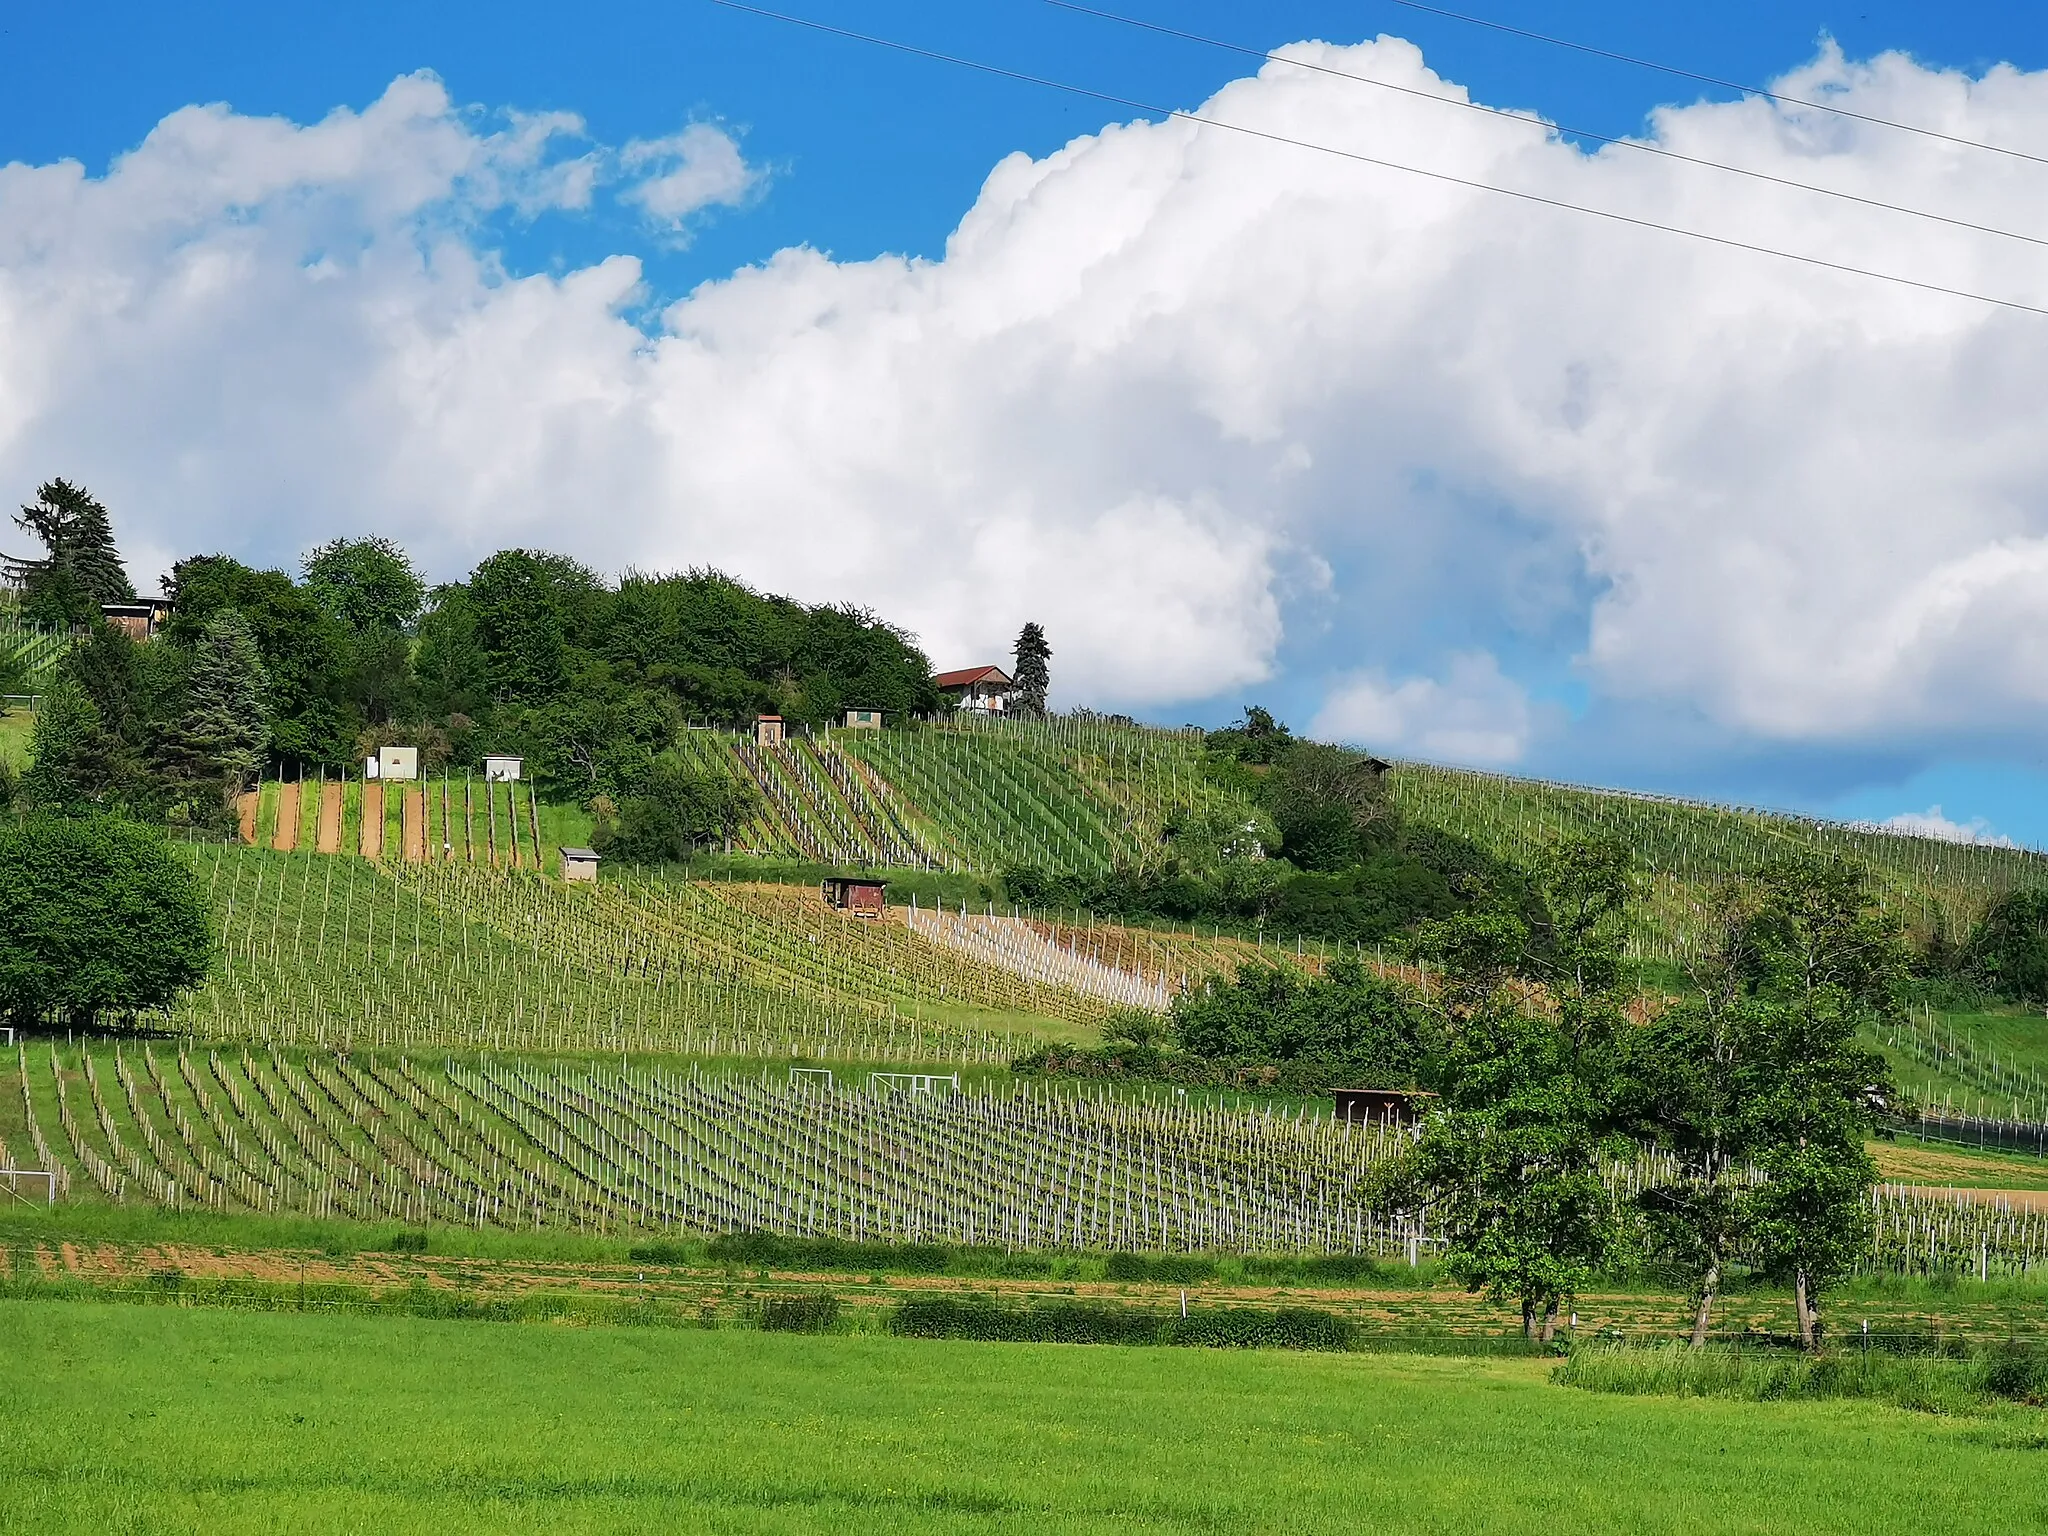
[398,763]
[579,864]
[501,769]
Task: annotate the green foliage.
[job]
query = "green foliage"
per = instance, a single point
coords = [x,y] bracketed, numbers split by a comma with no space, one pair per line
[670,808]
[98,917]
[810,1312]
[70,750]
[1032,673]
[369,584]
[224,729]
[1930,1383]
[1373,1030]
[2009,949]
[80,567]
[946,1317]
[1256,738]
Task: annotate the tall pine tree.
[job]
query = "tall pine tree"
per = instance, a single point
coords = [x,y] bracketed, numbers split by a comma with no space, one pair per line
[1033,677]
[226,724]
[81,567]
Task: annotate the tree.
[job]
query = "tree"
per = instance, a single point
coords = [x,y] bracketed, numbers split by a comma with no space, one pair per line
[671,809]
[1256,738]
[1511,1161]
[2008,949]
[225,726]
[98,916]
[1033,677]
[1329,805]
[81,567]
[67,750]
[369,584]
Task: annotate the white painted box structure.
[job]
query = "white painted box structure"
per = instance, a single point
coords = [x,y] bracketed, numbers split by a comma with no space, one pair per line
[398,763]
[502,769]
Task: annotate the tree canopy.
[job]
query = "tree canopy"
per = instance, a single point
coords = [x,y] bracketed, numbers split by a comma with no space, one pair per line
[99,918]
[80,567]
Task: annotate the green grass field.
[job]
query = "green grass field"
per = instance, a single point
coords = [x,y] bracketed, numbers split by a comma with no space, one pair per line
[17,728]
[162,1419]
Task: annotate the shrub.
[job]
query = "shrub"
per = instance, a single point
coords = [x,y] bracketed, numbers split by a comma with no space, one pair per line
[2019,1373]
[1167,1268]
[946,1317]
[809,1312]
[407,1242]
[1251,1328]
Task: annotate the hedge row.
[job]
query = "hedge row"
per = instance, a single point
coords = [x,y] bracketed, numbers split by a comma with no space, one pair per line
[944,1317]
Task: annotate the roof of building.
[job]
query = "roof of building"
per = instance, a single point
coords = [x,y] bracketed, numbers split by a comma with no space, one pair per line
[580,855]
[767,717]
[967,676]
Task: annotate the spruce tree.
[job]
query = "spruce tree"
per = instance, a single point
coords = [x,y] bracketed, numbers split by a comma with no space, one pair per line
[1033,677]
[81,567]
[225,726]
[68,748]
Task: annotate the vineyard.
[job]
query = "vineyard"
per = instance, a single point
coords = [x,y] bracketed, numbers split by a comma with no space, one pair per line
[517,1144]
[1686,848]
[1076,796]
[38,647]
[347,953]
[466,820]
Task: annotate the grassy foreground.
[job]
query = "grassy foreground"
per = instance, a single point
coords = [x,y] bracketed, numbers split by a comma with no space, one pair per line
[125,1418]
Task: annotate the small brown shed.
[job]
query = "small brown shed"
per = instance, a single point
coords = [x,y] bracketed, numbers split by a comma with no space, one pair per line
[579,864]
[768,730]
[863,898]
[1374,1106]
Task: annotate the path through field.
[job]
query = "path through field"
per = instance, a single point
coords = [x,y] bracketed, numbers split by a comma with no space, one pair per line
[327,837]
[412,813]
[287,838]
[372,843]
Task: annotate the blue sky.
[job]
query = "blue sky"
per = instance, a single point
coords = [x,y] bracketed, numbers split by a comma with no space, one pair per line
[857,153]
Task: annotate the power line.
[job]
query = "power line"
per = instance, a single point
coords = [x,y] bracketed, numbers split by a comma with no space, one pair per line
[1001,73]
[1547,127]
[1714,80]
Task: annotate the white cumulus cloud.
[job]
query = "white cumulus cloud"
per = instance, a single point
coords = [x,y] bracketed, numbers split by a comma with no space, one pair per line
[1473,715]
[1155,377]
[1931,823]
[685,173]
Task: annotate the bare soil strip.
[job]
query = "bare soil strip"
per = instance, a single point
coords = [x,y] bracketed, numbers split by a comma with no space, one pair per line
[246,809]
[287,837]
[371,843]
[412,817]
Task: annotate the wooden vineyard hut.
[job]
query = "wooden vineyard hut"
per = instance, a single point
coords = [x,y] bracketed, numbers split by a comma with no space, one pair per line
[768,730]
[579,864]
[863,898]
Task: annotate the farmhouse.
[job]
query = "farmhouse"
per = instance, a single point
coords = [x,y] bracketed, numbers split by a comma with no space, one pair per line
[987,689]
[864,898]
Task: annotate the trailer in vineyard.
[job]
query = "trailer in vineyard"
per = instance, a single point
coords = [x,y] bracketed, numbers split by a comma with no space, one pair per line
[863,898]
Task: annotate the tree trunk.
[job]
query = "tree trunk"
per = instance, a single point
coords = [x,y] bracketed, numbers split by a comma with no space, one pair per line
[1805,1306]
[1709,1284]
[1528,1317]
[1550,1320]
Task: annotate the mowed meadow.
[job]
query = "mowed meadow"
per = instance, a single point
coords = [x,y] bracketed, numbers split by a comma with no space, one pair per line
[124,1418]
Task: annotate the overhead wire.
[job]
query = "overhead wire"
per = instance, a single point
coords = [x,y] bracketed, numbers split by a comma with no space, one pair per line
[1714,80]
[1727,242]
[1526,120]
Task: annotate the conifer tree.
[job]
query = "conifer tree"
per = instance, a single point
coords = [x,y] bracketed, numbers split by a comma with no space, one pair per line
[226,723]
[68,748]
[1033,677]
[81,567]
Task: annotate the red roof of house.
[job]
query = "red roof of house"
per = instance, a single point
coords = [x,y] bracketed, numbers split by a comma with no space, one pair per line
[967,676]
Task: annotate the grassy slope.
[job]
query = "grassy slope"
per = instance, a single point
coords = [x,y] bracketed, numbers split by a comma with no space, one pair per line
[17,726]
[183,1420]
